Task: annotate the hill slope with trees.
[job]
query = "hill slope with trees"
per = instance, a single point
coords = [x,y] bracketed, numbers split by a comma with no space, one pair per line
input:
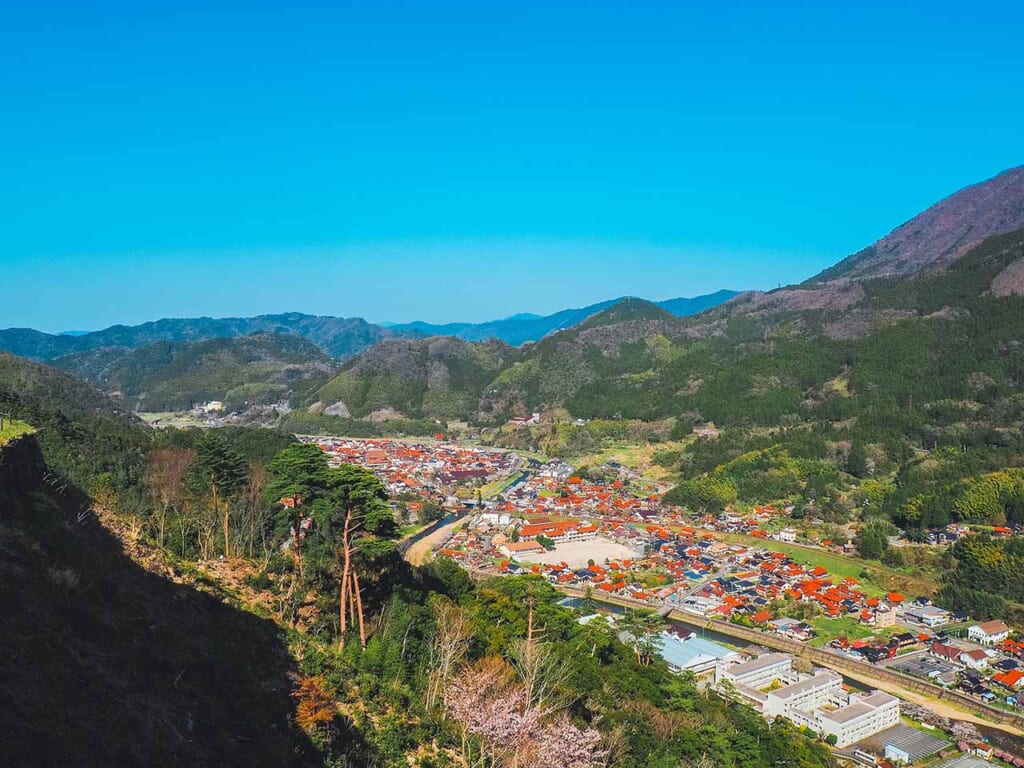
[242,372]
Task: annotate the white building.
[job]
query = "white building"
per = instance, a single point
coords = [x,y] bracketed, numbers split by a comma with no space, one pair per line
[989,632]
[758,673]
[861,717]
[815,701]
[787,535]
[930,615]
[824,687]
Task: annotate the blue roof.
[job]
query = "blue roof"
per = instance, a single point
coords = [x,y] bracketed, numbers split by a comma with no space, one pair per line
[682,653]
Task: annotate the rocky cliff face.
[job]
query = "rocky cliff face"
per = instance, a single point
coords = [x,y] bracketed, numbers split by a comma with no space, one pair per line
[105,663]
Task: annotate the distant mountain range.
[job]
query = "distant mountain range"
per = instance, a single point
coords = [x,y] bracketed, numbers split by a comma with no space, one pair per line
[525,327]
[339,337]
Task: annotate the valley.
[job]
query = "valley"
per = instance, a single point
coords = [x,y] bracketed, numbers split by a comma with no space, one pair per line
[394,514]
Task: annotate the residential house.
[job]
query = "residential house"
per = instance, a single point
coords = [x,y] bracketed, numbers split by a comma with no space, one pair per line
[989,632]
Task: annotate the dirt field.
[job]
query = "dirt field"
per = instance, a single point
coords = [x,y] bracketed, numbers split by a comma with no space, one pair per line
[578,553]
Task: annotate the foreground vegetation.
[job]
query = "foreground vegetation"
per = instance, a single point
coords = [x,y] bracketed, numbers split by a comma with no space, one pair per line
[318,643]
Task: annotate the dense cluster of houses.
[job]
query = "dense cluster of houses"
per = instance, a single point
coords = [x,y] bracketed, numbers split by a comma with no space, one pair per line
[436,469]
[552,490]
[761,577]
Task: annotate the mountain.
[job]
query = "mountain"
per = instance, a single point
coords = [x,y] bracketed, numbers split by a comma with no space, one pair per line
[761,359]
[931,241]
[525,327]
[450,378]
[941,234]
[440,377]
[106,663]
[337,336]
[82,432]
[242,372]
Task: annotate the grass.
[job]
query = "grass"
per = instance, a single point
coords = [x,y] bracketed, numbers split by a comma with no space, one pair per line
[12,429]
[849,627]
[500,485]
[636,456]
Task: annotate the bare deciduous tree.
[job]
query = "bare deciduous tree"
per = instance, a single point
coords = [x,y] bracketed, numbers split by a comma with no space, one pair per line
[451,639]
[165,477]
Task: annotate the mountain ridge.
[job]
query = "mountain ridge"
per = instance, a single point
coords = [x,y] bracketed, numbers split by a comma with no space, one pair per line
[339,337]
[526,326]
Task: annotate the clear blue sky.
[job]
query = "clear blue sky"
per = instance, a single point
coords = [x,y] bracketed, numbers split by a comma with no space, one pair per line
[464,161]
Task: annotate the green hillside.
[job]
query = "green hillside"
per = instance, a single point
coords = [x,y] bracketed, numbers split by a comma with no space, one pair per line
[242,372]
[84,435]
[438,377]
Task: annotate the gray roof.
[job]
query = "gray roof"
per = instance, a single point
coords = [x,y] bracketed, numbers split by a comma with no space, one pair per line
[755,665]
[807,684]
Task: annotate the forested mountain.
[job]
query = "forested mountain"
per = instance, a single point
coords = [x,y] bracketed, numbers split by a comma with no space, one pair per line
[440,377]
[896,342]
[522,328]
[760,358]
[83,433]
[242,372]
[337,336]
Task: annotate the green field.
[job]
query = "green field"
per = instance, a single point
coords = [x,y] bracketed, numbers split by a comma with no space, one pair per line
[12,429]
[848,627]
[499,486]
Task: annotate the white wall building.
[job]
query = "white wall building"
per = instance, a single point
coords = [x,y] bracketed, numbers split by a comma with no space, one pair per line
[824,687]
[989,632]
[863,716]
[758,673]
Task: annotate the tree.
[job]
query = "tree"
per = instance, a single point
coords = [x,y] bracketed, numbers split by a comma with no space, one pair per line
[222,472]
[254,522]
[300,477]
[431,511]
[540,668]
[358,510]
[644,626]
[451,639]
[872,542]
[315,706]
[165,477]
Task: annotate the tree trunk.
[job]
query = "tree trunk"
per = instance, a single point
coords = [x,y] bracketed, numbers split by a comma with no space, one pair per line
[359,609]
[345,568]
[227,510]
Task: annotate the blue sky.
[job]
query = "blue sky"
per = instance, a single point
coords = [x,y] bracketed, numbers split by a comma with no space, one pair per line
[465,161]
